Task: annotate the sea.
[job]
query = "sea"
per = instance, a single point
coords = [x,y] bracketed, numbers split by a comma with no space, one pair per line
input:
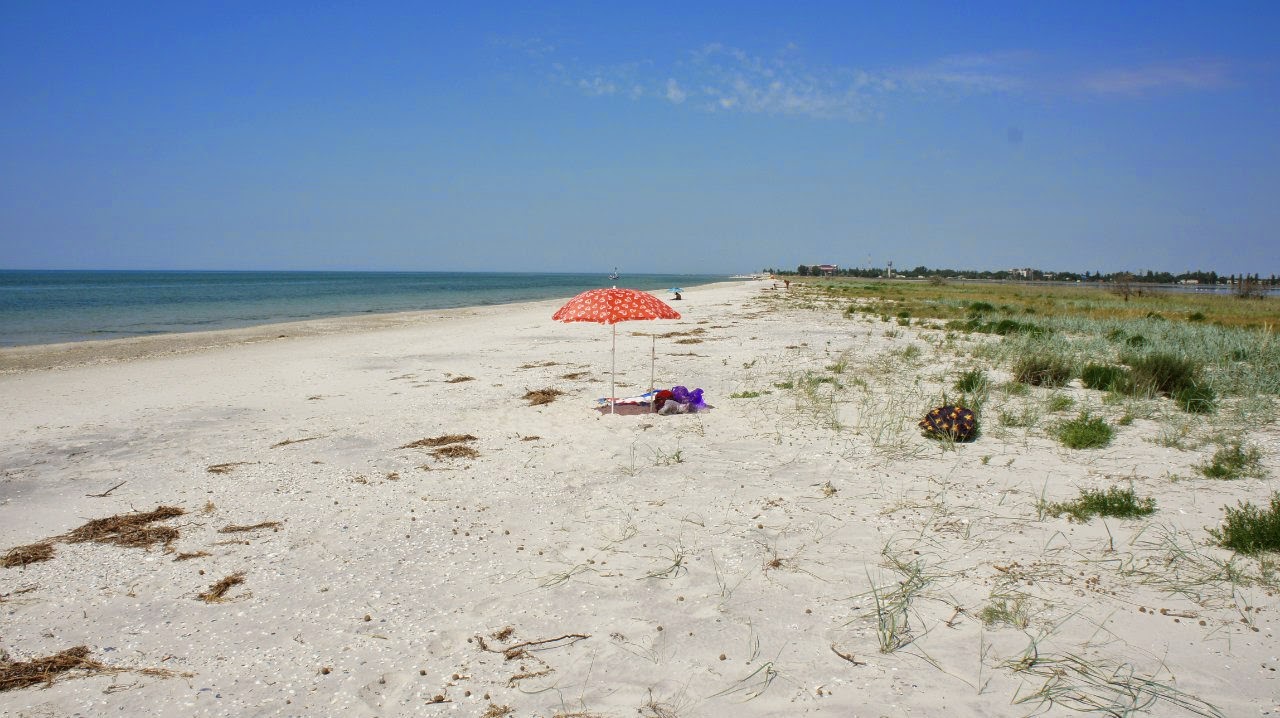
[45,307]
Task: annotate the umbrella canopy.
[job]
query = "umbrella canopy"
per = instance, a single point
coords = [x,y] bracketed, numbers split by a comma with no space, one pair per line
[610,306]
[677,290]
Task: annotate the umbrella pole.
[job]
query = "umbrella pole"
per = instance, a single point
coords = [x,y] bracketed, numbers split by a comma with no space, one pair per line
[653,359]
[613,372]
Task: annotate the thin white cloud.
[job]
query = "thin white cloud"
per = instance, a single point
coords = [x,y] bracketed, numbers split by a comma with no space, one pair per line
[719,78]
[674,93]
[977,73]
[1196,75]
[597,86]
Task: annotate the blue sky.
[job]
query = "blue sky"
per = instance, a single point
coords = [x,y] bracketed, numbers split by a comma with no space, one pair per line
[579,136]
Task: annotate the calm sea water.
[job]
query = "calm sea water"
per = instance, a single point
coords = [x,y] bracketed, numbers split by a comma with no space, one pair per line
[42,307]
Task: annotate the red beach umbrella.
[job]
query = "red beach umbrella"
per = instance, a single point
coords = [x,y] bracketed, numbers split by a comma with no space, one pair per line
[610,306]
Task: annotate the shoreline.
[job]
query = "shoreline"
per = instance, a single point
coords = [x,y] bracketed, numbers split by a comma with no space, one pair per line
[62,355]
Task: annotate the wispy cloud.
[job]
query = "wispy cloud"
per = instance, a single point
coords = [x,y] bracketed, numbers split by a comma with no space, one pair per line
[718,78]
[972,73]
[1195,75]
[674,93]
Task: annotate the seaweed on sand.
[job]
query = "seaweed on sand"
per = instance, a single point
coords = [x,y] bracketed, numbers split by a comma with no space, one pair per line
[46,669]
[129,529]
[217,592]
[541,396]
[19,556]
[442,440]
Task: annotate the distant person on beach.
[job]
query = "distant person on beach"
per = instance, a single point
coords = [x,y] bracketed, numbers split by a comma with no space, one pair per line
[677,297]
[787,282]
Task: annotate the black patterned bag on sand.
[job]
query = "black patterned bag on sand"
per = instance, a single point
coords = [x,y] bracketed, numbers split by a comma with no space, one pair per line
[954,423]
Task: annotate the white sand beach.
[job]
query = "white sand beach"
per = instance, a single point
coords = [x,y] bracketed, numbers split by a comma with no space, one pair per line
[777,555]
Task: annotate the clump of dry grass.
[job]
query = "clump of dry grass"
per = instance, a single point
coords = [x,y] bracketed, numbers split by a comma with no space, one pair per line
[459,379]
[442,440]
[31,553]
[218,591]
[541,396]
[575,375]
[225,468]
[129,529]
[20,674]
[537,365]
[234,528]
[455,451]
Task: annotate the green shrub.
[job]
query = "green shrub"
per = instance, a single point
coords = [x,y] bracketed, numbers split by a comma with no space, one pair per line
[1162,373]
[1042,370]
[1121,503]
[1233,461]
[1196,398]
[1084,432]
[1196,317]
[1136,341]
[980,307]
[1059,402]
[1104,377]
[974,381]
[1249,529]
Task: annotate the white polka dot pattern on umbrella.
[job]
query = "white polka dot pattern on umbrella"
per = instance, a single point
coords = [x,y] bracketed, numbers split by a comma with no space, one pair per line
[610,306]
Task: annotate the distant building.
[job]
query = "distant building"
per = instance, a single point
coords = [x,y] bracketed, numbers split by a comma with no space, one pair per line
[828,269]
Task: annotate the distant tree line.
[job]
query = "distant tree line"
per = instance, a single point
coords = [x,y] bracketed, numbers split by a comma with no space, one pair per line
[1149,277]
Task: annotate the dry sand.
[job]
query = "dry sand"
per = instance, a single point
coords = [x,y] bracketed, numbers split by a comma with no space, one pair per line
[577,564]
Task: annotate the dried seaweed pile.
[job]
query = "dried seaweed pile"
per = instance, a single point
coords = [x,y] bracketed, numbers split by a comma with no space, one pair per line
[217,592]
[47,669]
[129,529]
[541,396]
[234,528]
[120,530]
[442,440]
[31,553]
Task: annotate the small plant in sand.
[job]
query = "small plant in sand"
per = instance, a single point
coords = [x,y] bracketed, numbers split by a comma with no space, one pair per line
[1105,377]
[1233,461]
[1249,529]
[1006,611]
[1084,432]
[749,394]
[1040,369]
[1115,501]
[1162,373]
[974,381]
[1196,398]
[1058,402]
